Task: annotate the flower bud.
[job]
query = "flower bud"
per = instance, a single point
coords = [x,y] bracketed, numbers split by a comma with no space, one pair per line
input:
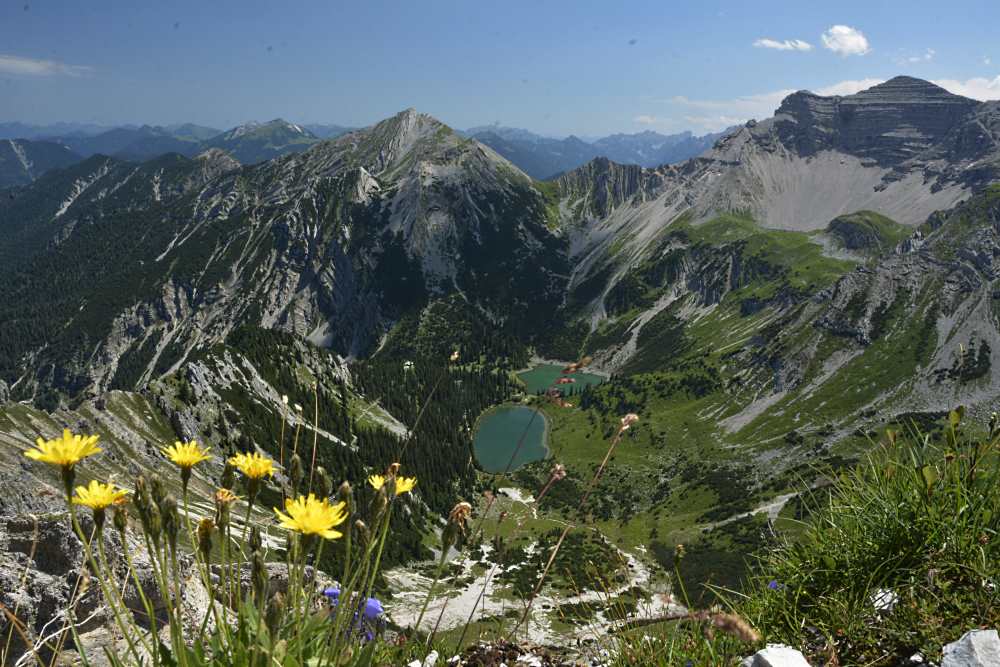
[156,491]
[153,523]
[171,520]
[324,485]
[295,472]
[255,541]
[99,519]
[275,612]
[228,479]
[362,528]
[205,529]
[258,575]
[120,521]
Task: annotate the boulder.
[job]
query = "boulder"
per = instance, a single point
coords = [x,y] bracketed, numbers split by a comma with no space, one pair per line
[776,655]
[976,648]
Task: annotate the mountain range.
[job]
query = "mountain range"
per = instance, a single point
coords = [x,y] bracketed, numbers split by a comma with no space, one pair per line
[337,242]
[539,157]
[765,307]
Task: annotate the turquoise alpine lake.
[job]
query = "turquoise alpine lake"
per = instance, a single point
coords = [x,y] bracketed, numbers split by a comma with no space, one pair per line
[498,432]
[541,377]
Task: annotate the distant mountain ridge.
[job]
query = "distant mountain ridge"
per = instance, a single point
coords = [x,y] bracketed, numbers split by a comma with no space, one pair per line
[23,160]
[256,142]
[544,157]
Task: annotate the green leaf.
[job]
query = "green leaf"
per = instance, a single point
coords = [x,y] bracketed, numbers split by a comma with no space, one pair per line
[930,475]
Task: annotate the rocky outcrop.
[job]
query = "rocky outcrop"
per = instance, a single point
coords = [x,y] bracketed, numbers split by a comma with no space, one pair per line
[976,648]
[602,185]
[776,655]
[42,571]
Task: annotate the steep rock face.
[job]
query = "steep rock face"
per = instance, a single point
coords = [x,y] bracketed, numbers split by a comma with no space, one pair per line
[601,186]
[889,123]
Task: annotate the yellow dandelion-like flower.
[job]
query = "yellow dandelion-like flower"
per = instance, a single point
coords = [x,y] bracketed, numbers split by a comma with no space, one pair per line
[403,484]
[254,465]
[66,451]
[186,454]
[98,496]
[311,516]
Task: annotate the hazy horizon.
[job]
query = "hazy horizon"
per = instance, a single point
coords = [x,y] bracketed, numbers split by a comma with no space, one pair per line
[555,69]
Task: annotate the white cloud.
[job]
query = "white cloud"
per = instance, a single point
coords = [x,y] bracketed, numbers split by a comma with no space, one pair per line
[784,45]
[35,67]
[846,41]
[650,120]
[926,57]
[987,61]
[848,87]
[978,88]
[719,114]
[714,115]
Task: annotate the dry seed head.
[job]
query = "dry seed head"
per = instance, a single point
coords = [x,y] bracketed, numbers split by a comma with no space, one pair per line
[558,472]
[736,626]
[460,513]
[628,420]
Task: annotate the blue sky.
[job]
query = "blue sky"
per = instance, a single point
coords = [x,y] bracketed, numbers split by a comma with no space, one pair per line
[589,68]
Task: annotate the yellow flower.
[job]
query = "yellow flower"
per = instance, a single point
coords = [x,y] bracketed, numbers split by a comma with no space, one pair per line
[403,484]
[65,451]
[254,465]
[310,516]
[99,496]
[186,454]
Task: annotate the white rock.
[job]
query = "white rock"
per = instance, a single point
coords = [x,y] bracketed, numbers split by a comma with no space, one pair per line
[976,648]
[776,655]
[884,600]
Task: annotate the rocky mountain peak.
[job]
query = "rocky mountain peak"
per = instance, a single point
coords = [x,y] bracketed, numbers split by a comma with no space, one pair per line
[889,123]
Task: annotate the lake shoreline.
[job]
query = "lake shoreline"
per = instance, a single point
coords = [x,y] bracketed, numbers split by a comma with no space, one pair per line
[544,444]
[537,361]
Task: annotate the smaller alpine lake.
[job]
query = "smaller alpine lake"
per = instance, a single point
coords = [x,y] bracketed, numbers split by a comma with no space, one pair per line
[543,376]
[498,432]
